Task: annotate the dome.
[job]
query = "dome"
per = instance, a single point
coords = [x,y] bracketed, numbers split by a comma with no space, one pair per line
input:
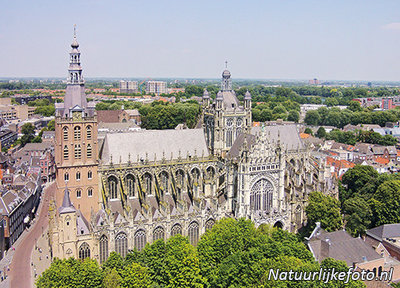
[219,95]
[74,43]
[247,95]
[206,94]
[226,74]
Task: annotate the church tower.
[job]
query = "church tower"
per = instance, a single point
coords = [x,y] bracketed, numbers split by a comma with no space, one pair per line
[76,151]
[226,118]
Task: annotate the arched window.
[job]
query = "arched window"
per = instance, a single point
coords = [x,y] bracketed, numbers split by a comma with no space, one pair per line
[66,177]
[209,224]
[261,195]
[121,244]
[113,187]
[78,175]
[89,151]
[103,248]
[77,133]
[89,175]
[229,138]
[140,240]
[90,192]
[66,153]
[78,151]
[147,183]
[196,180]
[298,216]
[130,185]
[84,251]
[180,178]
[164,181]
[158,233]
[78,193]
[193,233]
[89,132]
[65,133]
[210,172]
[176,229]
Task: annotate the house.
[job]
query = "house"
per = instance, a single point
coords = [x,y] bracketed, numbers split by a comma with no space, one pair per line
[356,252]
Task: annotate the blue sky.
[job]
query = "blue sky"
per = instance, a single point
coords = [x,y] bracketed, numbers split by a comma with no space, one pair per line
[270,39]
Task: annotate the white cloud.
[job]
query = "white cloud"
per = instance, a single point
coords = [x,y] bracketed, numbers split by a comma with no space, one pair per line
[392,26]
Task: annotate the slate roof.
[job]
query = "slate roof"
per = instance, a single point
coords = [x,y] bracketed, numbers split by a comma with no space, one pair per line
[288,135]
[154,143]
[237,145]
[384,231]
[340,245]
[37,146]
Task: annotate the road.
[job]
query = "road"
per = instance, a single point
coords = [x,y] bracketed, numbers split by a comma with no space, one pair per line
[20,270]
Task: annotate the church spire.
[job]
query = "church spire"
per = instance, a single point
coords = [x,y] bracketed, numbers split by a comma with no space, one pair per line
[226,84]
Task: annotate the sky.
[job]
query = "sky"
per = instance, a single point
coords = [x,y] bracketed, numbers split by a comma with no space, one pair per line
[265,39]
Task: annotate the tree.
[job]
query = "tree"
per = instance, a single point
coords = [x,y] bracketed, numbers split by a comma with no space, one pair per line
[312,118]
[293,116]
[321,133]
[386,203]
[29,133]
[112,279]
[114,261]
[308,131]
[51,125]
[324,209]
[135,276]
[355,179]
[358,215]
[355,106]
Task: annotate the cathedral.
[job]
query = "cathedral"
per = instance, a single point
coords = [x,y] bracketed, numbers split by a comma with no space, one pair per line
[137,187]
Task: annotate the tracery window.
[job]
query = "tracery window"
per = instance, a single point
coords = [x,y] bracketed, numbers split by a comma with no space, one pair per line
[158,233]
[164,181]
[121,244]
[196,180]
[180,177]
[193,233]
[140,240]
[209,224]
[89,132]
[147,183]
[77,133]
[229,138]
[211,172]
[65,133]
[176,229]
[113,187]
[130,185]
[84,251]
[261,195]
[103,248]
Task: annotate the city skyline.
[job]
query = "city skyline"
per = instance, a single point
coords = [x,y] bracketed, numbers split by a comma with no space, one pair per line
[334,40]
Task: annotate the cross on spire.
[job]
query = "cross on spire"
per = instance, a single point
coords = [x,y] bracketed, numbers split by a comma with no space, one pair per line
[74,30]
[226,64]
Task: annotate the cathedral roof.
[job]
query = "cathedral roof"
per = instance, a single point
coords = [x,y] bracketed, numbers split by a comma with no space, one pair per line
[146,144]
[230,100]
[288,135]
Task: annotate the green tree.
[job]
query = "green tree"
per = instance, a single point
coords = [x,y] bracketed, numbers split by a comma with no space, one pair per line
[114,261]
[312,118]
[293,116]
[355,179]
[112,279]
[386,203]
[135,276]
[308,131]
[29,133]
[355,106]
[324,209]
[358,215]
[51,125]
[321,133]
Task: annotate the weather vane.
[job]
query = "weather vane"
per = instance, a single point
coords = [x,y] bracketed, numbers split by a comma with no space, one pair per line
[226,64]
[74,30]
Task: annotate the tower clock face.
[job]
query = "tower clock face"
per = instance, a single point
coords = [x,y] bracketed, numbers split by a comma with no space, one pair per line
[77,116]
